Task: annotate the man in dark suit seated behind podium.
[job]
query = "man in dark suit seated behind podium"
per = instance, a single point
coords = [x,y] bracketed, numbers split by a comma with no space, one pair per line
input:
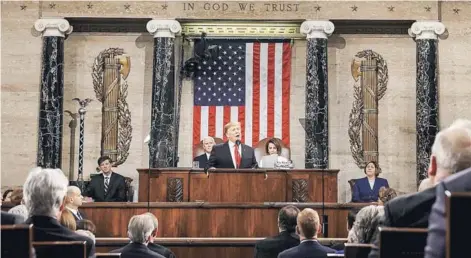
[270,247]
[108,186]
[208,143]
[308,226]
[233,153]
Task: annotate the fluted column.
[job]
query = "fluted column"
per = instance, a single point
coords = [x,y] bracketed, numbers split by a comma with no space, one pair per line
[316,111]
[162,145]
[53,32]
[426,35]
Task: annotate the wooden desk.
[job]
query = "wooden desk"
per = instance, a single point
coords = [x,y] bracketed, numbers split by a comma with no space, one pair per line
[209,219]
[242,185]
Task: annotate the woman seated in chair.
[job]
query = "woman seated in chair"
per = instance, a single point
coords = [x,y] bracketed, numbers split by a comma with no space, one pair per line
[367,189]
[273,156]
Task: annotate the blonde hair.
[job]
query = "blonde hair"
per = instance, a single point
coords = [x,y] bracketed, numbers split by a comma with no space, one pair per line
[308,222]
[230,125]
[67,220]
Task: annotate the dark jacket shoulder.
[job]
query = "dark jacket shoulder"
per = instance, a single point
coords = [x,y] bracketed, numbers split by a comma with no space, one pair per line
[458,182]
[11,219]
[136,250]
[161,250]
[272,246]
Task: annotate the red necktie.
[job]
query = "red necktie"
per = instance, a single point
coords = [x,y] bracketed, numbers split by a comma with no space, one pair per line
[237,155]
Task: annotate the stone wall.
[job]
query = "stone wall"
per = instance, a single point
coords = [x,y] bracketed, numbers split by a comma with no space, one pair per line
[21,66]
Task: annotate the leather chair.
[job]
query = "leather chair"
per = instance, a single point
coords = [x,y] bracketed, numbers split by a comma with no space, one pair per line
[260,151]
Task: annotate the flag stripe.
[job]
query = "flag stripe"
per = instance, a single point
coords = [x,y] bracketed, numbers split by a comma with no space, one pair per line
[248,93]
[219,121]
[248,83]
[263,91]
[271,90]
[256,94]
[212,120]
[278,96]
[286,92]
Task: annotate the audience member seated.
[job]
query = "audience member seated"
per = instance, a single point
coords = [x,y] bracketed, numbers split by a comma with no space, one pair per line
[208,143]
[425,184]
[140,230]
[67,220]
[365,225]
[17,199]
[286,239]
[308,226]
[73,201]
[108,186]
[272,156]
[367,189]
[450,153]
[44,195]
[6,195]
[385,195]
[11,219]
[156,247]
[86,228]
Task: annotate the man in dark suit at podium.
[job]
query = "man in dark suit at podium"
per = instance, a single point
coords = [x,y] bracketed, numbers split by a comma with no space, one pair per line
[208,143]
[233,153]
[108,186]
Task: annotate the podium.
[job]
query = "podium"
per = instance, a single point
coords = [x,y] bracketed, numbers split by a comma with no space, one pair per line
[237,185]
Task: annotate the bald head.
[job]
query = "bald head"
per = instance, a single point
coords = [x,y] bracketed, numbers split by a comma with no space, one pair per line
[73,197]
[451,151]
[308,224]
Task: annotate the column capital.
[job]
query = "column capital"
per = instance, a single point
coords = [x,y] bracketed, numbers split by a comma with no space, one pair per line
[53,27]
[317,29]
[163,28]
[427,29]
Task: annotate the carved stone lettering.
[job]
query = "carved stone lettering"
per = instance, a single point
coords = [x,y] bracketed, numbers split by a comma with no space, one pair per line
[246,7]
[215,6]
[271,7]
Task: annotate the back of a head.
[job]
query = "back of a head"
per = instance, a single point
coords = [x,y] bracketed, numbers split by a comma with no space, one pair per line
[287,218]
[86,224]
[386,194]
[16,196]
[140,228]
[155,221]
[365,224]
[308,223]
[44,191]
[452,147]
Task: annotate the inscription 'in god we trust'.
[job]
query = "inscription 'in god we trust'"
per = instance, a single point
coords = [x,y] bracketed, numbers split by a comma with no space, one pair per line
[268,7]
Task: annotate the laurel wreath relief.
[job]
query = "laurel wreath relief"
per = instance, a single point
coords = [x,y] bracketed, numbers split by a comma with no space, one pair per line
[356,115]
[124,115]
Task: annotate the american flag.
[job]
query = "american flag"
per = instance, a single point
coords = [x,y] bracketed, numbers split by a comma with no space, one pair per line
[248,82]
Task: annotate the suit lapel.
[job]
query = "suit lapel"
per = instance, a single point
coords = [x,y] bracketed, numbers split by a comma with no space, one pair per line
[101,182]
[228,154]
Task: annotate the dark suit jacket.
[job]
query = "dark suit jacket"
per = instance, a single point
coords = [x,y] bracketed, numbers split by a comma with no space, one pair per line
[48,229]
[362,191]
[221,157]
[161,250]
[136,250]
[270,247]
[10,219]
[459,182]
[116,189]
[202,159]
[308,249]
[407,211]
[76,217]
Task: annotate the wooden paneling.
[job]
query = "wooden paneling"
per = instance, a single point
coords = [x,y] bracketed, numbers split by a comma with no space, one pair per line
[243,185]
[208,219]
[203,247]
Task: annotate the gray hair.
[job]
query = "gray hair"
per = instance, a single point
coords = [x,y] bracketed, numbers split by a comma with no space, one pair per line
[44,191]
[452,147]
[71,189]
[155,221]
[20,210]
[208,138]
[140,228]
[365,224]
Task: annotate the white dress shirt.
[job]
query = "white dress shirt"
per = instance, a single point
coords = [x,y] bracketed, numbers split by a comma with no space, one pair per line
[208,155]
[73,211]
[231,148]
[372,183]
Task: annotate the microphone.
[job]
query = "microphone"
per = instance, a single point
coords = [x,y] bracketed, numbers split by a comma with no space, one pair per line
[238,142]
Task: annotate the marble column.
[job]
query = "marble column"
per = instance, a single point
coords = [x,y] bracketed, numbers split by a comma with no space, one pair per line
[162,145]
[426,36]
[316,111]
[53,32]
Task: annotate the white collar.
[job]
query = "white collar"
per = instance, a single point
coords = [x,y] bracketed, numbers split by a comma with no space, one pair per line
[309,240]
[108,176]
[231,144]
[72,210]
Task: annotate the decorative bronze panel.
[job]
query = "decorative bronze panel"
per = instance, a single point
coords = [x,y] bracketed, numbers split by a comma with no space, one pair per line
[174,189]
[370,72]
[110,70]
[300,190]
